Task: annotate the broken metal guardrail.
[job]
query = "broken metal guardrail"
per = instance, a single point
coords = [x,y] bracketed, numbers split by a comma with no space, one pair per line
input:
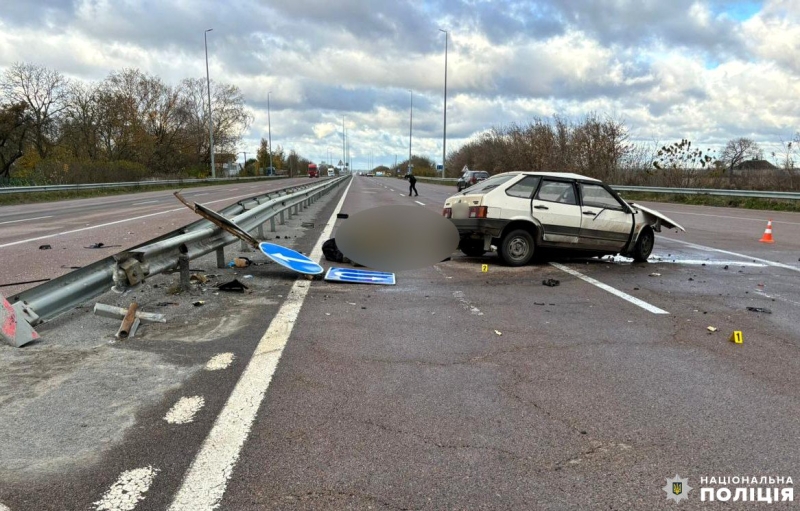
[723,192]
[126,184]
[130,267]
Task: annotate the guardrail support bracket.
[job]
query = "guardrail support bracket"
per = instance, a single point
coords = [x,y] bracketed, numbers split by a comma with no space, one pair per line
[133,271]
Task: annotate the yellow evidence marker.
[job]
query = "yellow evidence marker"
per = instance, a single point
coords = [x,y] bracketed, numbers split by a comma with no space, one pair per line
[737,337]
[484,268]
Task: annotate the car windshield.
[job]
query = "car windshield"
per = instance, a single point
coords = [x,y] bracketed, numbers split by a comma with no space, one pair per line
[489,184]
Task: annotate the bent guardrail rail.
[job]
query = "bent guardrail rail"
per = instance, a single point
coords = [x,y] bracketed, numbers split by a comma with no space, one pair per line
[129,267]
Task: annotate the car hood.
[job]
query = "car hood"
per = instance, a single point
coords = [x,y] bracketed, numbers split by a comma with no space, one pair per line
[665,220]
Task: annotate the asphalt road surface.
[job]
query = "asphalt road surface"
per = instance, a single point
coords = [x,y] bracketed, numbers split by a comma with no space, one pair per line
[454,389]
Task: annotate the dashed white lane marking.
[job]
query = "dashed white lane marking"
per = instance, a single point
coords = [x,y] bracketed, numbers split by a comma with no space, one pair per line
[199,194]
[144,202]
[735,254]
[402,195]
[24,220]
[219,362]
[730,217]
[184,410]
[207,478]
[616,292]
[110,223]
[420,203]
[128,490]
[459,295]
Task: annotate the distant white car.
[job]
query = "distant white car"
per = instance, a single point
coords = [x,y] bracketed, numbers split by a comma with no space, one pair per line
[520,212]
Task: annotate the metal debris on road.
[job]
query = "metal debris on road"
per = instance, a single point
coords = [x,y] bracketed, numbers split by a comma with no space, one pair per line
[498,332]
[759,309]
[45,247]
[656,274]
[129,323]
[342,215]
[233,286]
[199,303]
[551,282]
[101,245]
[712,329]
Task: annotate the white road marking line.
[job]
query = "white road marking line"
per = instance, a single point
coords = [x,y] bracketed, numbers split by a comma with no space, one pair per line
[24,220]
[418,202]
[735,254]
[391,189]
[184,410]
[219,362]
[207,478]
[775,297]
[128,490]
[402,195]
[199,194]
[730,217]
[616,292]
[145,202]
[700,262]
[110,223]
[459,295]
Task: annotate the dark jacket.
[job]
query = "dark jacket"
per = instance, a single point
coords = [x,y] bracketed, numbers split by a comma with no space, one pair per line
[411,179]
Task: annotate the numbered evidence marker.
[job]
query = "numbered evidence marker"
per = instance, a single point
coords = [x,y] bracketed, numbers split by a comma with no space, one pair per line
[355,276]
[737,337]
[484,268]
[290,259]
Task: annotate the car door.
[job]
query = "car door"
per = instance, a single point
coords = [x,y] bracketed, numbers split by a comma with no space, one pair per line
[555,208]
[606,222]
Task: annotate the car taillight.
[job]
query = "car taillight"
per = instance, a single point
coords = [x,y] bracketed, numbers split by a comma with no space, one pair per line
[478,211]
[473,180]
[447,213]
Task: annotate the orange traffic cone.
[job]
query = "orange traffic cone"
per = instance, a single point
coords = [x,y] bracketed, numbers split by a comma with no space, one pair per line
[767,237]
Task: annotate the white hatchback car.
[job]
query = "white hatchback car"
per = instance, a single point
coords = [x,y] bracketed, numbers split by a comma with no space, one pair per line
[519,212]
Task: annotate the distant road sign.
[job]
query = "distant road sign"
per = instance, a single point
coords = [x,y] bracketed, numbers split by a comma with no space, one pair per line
[360,276]
[439,166]
[290,259]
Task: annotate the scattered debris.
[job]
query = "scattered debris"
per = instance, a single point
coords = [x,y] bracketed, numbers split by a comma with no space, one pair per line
[164,304]
[759,309]
[342,215]
[551,282]
[307,224]
[240,262]
[199,303]
[71,267]
[537,303]
[45,247]
[712,329]
[657,274]
[247,276]
[725,267]
[199,278]
[101,245]
[110,311]
[498,332]
[130,323]
[691,279]
[636,289]
[233,286]
[24,282]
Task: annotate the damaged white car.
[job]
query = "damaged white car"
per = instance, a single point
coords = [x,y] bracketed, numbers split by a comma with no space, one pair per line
[522,212]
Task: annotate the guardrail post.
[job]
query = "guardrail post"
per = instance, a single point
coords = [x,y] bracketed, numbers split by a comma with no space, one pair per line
[221,257]
[272,224]
[282,220]
[183,265]
[260,230]
[243,246]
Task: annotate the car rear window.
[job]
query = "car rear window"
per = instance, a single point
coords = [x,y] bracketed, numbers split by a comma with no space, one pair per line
[489,184]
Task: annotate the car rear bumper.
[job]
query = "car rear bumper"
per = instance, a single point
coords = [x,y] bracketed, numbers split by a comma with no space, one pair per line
[479,226]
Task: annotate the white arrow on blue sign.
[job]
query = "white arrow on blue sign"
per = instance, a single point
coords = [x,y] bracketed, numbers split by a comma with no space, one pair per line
[290,259]
[360,276]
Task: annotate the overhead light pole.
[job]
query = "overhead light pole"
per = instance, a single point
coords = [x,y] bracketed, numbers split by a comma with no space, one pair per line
[269,128]
[410,124]
[210,120]
[444,122]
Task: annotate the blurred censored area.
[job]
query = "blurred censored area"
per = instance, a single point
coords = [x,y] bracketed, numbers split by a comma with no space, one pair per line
[396,238]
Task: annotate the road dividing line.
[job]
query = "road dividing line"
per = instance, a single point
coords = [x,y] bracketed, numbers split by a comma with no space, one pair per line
[199,194]
[111,223]
[207,478]
[418,202]
[24,220]
[128,490]
[219,362]
[735,254]
[145,202]
[616,292]
[184,410]
[402,195]
[729,217]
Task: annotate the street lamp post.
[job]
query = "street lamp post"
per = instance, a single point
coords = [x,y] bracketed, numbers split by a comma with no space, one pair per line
[269,127]
[210,120]
[444,123]
[410,124]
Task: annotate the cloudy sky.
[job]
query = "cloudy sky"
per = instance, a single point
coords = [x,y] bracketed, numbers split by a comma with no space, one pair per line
[707,70]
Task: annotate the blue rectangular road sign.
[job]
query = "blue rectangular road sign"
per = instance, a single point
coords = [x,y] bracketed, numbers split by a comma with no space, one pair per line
[359,276]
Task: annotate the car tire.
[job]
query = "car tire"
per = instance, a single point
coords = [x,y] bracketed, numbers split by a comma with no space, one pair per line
[472,248]
[644,245]
[517,247]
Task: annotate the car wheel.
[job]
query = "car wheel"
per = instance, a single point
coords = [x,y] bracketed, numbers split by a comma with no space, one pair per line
[516,247]
[472,248]
[644,245]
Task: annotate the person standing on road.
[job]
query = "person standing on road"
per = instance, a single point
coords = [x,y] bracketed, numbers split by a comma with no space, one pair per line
[412,185]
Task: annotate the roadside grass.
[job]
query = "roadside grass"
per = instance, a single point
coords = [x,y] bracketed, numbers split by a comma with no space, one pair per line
[715,200]
[10,199]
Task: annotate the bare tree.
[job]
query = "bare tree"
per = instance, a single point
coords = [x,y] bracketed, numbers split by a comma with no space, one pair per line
[14,126]
[44,91]
[737,151]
